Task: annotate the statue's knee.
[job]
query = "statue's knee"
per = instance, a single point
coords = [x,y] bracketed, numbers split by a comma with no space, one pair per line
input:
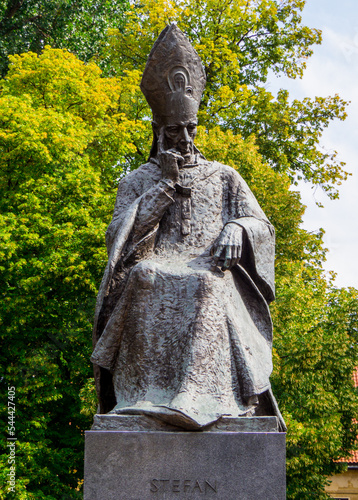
[143,274]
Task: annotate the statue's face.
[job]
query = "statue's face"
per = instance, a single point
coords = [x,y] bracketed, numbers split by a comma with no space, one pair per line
[180,136]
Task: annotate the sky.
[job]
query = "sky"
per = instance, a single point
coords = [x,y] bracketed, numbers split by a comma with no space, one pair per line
[333,69]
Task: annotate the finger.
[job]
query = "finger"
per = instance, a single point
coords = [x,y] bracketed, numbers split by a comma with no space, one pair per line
[239,252]
[161,140]
[218,253]
[219,250]
[176,154]
[233,259]
[235,256]
[180,161]
[228,257]
[173,151]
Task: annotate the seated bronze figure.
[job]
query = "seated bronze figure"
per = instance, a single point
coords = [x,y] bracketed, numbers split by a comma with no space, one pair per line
[183,331]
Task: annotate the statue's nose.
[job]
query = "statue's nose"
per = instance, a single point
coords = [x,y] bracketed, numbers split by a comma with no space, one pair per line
[185,138]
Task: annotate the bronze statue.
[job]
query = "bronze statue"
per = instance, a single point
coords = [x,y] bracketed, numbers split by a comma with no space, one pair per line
[183,331]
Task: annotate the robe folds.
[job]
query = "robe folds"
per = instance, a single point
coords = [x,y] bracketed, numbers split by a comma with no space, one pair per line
[175,337]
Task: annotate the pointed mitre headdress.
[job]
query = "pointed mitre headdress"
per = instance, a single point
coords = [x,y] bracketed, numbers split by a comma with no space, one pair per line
[174,78]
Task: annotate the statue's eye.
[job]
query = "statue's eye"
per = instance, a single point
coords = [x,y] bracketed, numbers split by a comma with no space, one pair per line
[173,130]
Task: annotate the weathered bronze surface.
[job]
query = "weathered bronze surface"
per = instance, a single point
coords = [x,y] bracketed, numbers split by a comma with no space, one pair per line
[183,330]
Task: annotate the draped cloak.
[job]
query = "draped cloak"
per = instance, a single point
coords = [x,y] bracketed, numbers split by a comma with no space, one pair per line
[173,335]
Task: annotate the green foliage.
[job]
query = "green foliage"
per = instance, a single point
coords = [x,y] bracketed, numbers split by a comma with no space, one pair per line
[316,333]
[57,116]
[315,328]
[67,134]
[239,42]
[77,25]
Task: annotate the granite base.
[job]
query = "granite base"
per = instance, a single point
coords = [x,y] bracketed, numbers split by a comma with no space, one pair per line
[149,465]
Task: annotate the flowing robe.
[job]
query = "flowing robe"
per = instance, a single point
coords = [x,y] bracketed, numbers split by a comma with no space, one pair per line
[182,339]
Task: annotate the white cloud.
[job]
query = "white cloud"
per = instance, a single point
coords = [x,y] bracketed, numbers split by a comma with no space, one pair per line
[334,69]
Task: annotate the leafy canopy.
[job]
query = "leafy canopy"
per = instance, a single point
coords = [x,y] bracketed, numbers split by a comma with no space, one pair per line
[315,328]
[77,25]
[240,42]
[60,134]
[68,133]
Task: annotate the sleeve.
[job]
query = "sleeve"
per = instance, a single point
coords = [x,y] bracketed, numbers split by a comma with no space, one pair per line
[258,257]
[138,209]
[150,207]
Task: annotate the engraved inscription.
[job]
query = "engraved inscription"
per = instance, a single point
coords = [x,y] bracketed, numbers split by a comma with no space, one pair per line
[201,486]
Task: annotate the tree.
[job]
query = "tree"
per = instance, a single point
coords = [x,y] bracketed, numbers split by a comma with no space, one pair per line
[316,347]
[67,134]
[77,25]
[315,328]
[239,42]
[60,135]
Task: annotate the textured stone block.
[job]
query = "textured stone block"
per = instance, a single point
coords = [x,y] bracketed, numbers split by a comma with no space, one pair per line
[114,422]
[184,465]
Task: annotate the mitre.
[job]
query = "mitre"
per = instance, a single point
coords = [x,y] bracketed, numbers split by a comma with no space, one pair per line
[174,78]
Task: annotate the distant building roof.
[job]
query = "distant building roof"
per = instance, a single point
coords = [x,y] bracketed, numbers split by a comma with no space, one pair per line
[352,459]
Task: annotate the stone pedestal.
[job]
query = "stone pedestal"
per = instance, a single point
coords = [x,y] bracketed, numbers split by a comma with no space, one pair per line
[215,464]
